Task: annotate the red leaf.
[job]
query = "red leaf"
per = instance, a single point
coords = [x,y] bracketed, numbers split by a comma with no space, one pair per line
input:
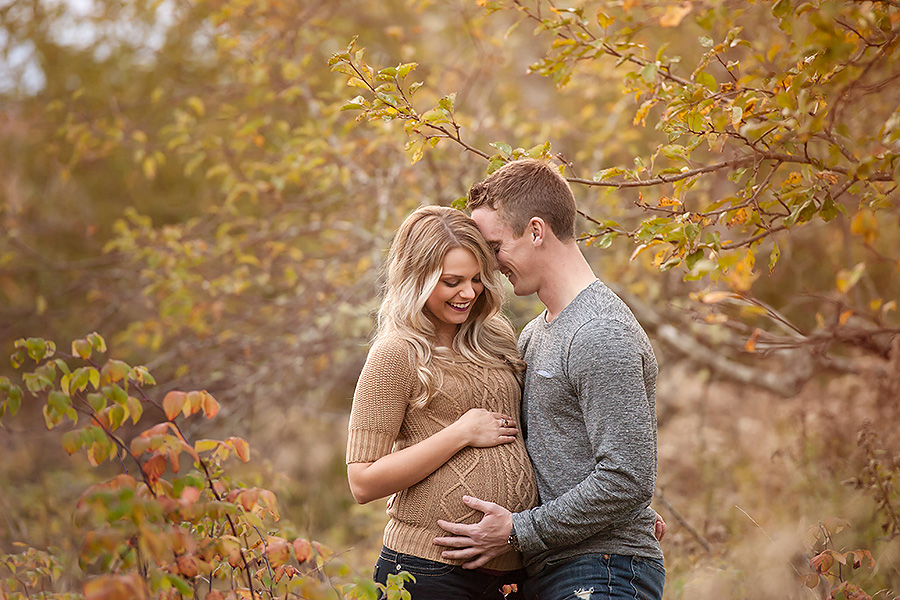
[822,563]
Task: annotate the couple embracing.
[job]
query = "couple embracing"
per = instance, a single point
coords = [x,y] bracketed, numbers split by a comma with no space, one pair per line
[500,474]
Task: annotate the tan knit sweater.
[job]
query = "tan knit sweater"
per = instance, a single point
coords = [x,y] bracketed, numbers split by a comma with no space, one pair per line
[382,421]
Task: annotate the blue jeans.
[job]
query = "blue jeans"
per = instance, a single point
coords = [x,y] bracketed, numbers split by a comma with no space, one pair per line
[599,577]
[439,581]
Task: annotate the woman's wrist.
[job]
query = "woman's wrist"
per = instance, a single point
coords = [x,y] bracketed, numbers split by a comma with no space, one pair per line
[460,434]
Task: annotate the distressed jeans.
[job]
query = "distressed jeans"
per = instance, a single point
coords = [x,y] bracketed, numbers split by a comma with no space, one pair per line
[598,577]
[439,581]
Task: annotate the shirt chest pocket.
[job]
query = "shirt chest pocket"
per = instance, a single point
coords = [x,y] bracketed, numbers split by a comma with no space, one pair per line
[544,386]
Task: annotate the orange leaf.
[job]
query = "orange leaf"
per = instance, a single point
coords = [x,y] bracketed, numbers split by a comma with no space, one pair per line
[153,468]
[302,550]
[158,429]
[173,404]
[750,346]
[189,495]
[194,403]
[241,448]
[210,406]
[187,566]
[323,551]
[115,587]
[249,498]
[277,550]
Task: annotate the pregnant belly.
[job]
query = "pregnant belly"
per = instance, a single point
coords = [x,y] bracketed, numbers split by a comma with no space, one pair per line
[501,474]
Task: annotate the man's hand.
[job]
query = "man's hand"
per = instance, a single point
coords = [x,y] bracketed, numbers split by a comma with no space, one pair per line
[480,541]
[659,528]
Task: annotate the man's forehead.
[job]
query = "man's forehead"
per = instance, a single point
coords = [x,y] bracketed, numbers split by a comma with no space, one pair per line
[488,221]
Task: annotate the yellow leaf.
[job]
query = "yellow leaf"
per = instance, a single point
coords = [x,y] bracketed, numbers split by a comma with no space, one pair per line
[865,224]
[205,445]
[674,15]
[716,296]
[197,104]
[847,279]
[149,167]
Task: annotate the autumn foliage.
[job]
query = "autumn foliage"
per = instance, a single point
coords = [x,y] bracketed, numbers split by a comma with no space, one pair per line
[212,185]
[161,528]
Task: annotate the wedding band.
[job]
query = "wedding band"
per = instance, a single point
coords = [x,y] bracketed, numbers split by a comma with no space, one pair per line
[504,423]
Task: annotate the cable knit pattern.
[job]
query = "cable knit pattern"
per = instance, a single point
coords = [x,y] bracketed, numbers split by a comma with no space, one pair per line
[382,421]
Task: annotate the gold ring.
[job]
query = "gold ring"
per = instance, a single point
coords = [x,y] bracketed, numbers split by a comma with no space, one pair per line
[504,423]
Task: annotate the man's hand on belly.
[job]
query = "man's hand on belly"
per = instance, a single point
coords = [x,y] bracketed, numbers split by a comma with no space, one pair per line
[479,542]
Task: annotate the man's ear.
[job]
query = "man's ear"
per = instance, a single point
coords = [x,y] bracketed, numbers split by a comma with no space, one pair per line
[536,230]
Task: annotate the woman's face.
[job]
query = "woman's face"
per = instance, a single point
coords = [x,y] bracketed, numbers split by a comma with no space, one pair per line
[451,302]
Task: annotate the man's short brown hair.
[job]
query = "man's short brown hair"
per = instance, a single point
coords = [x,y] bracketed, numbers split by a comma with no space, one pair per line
[527,188]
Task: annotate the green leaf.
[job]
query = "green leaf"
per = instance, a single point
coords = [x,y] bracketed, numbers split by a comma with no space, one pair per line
[94,377]
[82,348]
[97,341]
[691,259]
[181,585]
[706,41]
[405,69]
[17,359]
[117,416]
[36,348]
[781,8]
[96,401]
[506,149]
[14,400]
[71,441]
[608,173]
[707,80]
[135,409]
[62,366]
[52,418]
[447,102]
[648,73]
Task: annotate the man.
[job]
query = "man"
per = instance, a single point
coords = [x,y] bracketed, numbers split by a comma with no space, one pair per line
[588,409]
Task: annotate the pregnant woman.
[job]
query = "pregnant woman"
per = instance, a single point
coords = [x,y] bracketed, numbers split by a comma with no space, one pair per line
[436,410]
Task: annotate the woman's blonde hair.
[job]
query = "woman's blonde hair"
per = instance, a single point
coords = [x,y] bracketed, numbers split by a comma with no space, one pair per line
[414,266]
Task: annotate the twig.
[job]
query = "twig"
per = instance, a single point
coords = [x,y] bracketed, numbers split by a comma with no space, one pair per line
[683,522]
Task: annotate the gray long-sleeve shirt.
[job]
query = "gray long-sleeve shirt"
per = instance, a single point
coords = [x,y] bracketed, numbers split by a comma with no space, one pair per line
[589,421]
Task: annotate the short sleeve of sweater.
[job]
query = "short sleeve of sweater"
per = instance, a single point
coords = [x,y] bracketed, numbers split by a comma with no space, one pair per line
[380,401]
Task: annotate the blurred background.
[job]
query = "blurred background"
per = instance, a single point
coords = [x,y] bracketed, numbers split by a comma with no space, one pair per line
[179,177]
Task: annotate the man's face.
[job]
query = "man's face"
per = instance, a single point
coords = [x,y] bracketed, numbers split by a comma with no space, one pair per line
[514,254]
